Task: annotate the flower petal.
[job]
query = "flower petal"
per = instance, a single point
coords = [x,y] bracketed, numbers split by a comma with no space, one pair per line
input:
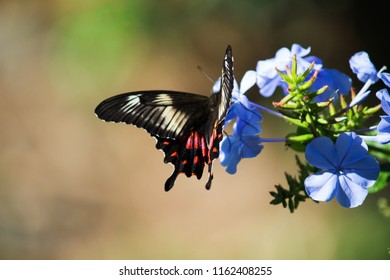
[364,172]
[350,148]
[384,125]
[385,77]
[282,59]
[321,186]
[268,87]
[267,78]
[383,138]
[384,97]
[335,80]
[359,98]
[299,50]
[229,154]
[248,81]
[321,153]
[248,122]
[234,148]
[251,146]
[383,129]
[267,68]
[362,66]
[350,194]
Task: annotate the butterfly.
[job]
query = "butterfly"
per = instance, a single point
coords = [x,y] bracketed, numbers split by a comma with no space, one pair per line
[187,126]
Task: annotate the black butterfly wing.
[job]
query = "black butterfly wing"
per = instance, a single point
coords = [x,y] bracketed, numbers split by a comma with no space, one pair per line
[165,114]
[188,127]
[188,154]
[222,100]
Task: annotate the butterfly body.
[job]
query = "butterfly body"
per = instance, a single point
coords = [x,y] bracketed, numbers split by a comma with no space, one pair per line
[187,126]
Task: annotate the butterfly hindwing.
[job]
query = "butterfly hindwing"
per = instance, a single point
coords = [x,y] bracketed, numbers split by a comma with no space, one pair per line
[188,154]
[187,126]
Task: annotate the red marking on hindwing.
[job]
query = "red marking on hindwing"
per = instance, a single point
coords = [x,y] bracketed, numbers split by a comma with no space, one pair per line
[203,146]
[190,141]
[196,140]
[190,153]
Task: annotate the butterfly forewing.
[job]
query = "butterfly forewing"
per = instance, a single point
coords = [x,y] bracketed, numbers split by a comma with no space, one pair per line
[162,113]
[187,126]
[227,83]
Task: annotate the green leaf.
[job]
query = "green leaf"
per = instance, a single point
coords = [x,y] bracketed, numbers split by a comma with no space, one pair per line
[298,142]
[296,193]
[382,182]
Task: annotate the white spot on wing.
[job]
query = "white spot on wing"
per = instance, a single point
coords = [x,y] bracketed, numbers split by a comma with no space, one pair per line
[173,125]
[132,100]
[168,116]
[162,99]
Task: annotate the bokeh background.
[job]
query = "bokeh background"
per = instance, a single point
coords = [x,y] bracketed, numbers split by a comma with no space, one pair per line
[74,187]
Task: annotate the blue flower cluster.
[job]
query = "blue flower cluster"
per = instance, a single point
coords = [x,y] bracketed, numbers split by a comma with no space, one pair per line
[245,141]
[268,78]
[345,168]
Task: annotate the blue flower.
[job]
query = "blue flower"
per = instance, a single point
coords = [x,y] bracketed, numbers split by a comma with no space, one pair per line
[383,128]
[365,70]
[347,170]
[362,66]
[236,147]
[385,77]
[384,97]
[384,125]
[244,143]
[268,78]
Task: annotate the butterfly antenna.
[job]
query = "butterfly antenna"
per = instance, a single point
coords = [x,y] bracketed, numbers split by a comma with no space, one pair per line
[205,74]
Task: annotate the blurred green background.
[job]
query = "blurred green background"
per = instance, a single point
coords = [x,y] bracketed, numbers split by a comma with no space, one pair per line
[74,187]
